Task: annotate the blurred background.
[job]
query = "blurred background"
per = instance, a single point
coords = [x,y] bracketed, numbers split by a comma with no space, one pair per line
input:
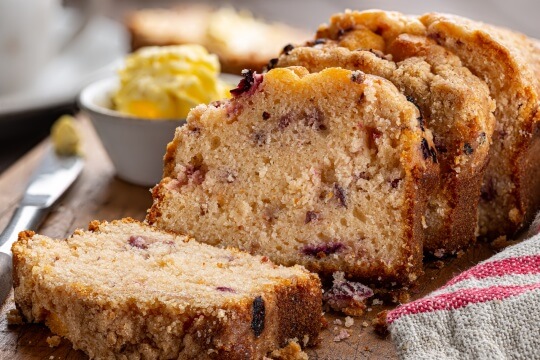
[64,45]
[518,14]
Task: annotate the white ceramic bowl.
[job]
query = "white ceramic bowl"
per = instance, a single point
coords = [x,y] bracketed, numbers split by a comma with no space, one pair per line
[135,146]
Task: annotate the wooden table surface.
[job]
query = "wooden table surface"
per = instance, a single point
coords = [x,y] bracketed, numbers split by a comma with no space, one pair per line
[97,194]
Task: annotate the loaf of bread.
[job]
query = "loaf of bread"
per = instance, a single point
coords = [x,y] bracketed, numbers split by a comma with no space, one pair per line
[453,103]
[329,170]
[123,290]
[509,63]
[240,40]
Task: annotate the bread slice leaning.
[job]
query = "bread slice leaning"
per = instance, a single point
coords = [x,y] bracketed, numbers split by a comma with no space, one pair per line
[509,63]
[124,290]
[329,170]
[454,104]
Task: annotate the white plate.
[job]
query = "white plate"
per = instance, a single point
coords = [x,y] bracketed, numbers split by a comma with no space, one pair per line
[95,55]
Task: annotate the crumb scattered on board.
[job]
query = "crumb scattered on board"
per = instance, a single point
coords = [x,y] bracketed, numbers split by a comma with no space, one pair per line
[376,302]
[54,341]
[292,351]
[14,317]
[379,323]
[342,335]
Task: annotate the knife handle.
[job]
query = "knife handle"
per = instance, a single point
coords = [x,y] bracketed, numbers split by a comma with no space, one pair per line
[24,218]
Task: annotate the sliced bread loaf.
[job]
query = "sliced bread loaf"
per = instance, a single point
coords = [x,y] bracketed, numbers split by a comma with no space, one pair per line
[329,170]
[510,65]
[453,103]
[123,290]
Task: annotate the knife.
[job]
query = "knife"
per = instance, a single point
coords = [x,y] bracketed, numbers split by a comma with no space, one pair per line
[48,182]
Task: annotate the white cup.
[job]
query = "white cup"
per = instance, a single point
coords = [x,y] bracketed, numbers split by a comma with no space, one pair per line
[28,39]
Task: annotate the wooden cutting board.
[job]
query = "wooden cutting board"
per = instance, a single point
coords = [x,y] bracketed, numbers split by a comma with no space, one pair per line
[97,194]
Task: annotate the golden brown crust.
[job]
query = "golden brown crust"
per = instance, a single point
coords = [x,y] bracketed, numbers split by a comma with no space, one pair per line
[168,159]
[153,214]
[26,235]
[94,225]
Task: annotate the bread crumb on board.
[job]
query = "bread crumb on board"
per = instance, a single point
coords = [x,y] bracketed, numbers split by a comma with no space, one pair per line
[14,317]
[342,335]
[379,323]
[54,340]
[292,351]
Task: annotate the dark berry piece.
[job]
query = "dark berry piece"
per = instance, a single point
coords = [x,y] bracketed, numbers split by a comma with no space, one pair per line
[271,64]
[394,183]
[433,154]
[225,289]
[322,250]
[339,192]
[195,173]
[287,49]
[311,216]
[361,98]
[358,77]
[420,120]
[259,312]
[138,242]
[425,148]
[347,296]
[427,151]
[488,192]
[249,83]
[284,122]
[265,115]
[315,119]
[467,149]
[411,100]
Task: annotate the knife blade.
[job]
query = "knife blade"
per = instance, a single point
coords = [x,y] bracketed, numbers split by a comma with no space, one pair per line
[48,182]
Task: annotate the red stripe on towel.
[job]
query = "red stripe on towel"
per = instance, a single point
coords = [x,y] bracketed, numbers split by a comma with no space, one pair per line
[515,265]
[459,299]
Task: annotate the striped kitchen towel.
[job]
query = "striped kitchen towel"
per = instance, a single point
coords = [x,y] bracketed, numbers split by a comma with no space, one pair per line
[491,311]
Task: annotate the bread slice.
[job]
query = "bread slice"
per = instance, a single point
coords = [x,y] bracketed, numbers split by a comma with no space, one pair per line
[329,170]
[124,290]
[234,36]
[453,103]
[510,65]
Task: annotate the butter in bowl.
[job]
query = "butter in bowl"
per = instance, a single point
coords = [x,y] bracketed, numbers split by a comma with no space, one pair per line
[136,113]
